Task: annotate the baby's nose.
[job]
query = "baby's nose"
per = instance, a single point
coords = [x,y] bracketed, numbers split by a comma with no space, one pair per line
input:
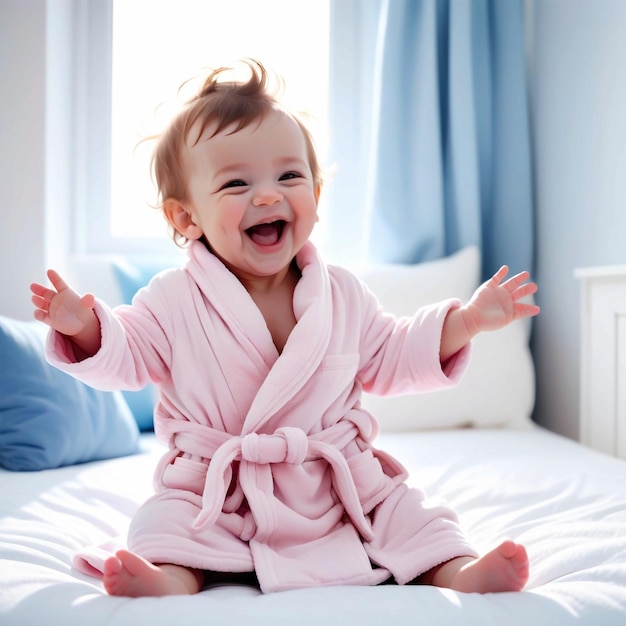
[268,194]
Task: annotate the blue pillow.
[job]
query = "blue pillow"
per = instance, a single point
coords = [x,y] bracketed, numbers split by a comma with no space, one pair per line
[132,276]
[49,419]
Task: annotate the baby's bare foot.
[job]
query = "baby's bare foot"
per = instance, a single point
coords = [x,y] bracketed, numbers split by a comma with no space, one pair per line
[127,574]
[505,568]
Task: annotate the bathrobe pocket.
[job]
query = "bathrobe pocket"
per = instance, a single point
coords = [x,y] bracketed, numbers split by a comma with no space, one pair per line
[338,373]
[341,362]
[371,483]
[186,474]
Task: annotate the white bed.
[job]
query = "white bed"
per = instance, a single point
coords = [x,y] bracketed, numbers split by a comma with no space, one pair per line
[475,446]
[565,502]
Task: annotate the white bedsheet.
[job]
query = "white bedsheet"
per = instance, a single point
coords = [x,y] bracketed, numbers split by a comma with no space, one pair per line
[565,502]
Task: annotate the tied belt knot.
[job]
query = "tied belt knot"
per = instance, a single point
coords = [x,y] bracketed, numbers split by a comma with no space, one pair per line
[286,445]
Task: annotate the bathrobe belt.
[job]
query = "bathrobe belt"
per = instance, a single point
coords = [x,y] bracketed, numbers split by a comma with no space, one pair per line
[286,445]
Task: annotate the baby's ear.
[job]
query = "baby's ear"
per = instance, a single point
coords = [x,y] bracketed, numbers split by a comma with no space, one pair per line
[317,191]
[180,219]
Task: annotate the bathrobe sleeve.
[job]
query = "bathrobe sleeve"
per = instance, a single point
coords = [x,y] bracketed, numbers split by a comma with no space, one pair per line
[135,348]
[401,354]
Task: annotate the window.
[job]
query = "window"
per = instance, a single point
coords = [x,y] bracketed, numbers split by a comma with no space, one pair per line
[155,46]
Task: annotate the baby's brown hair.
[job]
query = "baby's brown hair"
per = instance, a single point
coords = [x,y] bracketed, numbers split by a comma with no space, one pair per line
[222,103]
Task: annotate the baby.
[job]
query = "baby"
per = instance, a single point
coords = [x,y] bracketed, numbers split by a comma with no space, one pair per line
[261,352]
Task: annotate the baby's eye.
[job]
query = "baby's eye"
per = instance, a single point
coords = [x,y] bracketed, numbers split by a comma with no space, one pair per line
[290,176]
[233,183]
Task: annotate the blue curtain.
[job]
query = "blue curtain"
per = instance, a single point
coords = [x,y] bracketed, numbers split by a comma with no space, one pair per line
[430,132]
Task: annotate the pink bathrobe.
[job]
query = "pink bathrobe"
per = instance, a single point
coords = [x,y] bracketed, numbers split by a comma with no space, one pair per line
[271,466]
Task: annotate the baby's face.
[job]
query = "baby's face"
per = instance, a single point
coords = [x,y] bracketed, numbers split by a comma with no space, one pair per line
[252,194]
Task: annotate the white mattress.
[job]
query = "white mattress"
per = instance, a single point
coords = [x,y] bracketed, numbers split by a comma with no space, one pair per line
[566,503]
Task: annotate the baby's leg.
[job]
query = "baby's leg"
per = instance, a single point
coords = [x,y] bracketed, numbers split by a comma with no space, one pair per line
[505,568]
[127,574]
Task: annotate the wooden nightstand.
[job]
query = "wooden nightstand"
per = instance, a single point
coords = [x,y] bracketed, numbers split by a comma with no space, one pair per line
[603,359]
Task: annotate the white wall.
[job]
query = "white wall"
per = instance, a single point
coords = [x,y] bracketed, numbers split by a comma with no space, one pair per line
[578,101]
[579,121]
[22,151]
[35,147]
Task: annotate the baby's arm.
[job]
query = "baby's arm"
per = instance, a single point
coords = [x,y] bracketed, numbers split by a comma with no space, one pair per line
[493,305]
[68,313]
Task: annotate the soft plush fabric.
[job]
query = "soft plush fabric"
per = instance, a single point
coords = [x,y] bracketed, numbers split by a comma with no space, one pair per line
[49,419]
[498,388]
[294,490]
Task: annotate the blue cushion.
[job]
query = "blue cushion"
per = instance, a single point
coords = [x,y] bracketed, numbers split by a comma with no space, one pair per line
[132,276]
[49,419]
[134,273]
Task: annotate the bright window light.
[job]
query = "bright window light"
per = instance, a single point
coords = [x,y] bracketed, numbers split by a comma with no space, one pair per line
[160,44]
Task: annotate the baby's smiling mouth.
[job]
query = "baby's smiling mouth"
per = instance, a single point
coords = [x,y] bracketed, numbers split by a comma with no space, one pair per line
[266,234]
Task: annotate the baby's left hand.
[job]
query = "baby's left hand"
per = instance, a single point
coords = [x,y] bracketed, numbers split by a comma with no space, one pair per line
[496,304]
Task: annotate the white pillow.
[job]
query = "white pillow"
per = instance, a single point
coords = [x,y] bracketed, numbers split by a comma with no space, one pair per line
[498,388]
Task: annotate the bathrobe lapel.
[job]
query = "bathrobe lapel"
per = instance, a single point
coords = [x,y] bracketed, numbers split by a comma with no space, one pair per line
[286,374]
[305,347]
[223,292]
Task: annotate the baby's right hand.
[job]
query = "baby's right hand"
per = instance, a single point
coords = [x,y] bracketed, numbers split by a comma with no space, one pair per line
[62,308]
